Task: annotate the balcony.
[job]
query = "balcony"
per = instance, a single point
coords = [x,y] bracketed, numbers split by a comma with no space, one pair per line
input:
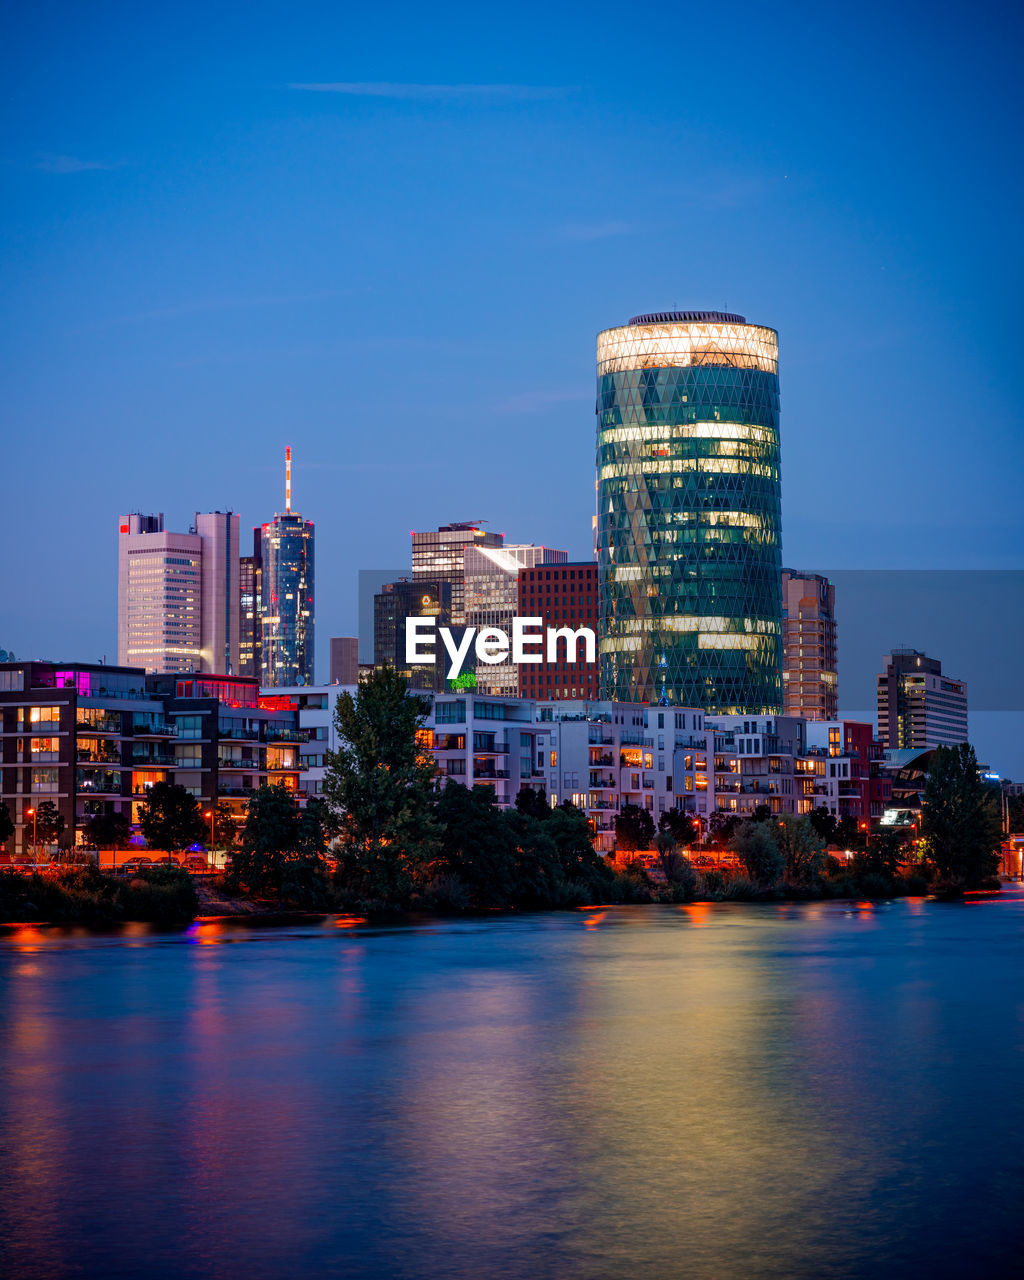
[496,749]
[234,791]
[98,782]
[607,758]
[102,724]
[156,731]
[153,759]
[488,775]
[224,762]
[98,757]
[599,782]
[242,735]
[286,735]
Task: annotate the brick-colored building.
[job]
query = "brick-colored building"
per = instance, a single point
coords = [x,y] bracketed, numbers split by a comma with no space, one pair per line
[564,595]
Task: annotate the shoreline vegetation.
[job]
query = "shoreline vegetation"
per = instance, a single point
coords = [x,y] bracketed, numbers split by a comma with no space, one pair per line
[386,840]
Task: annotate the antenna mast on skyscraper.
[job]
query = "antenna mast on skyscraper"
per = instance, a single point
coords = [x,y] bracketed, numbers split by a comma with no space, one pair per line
[288,479]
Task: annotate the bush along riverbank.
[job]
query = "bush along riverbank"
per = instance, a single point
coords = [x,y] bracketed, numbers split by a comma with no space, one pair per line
[403,839]
[163,895]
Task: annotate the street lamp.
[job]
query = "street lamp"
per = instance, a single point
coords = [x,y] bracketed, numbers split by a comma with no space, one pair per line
[31,813]
[213,841]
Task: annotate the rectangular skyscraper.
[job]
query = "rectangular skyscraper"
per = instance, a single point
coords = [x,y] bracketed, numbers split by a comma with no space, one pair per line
[810,673]
[250,586]
[918,706]
[438,555]
[218,531]
[344,660]
[287,596]
[177,594]
[159,596]
[492,598]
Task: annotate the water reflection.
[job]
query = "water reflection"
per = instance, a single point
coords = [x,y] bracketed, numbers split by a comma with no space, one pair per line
[707,1090]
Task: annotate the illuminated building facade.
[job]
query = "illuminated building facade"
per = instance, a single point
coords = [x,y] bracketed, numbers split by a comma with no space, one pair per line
[689,512]
[492,600]
[392,605]
[564,595]
[93,739]
[250,586]
[919,707]
[810,649]
[438,555]
[287,607]
[177,593]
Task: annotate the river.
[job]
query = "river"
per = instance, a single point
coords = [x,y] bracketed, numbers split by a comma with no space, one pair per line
[813,1090]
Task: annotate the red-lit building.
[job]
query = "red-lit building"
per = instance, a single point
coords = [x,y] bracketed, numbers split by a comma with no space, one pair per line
[563,595]
[867,793]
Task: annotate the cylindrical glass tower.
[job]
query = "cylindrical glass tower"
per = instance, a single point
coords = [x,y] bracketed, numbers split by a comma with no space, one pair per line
[689,512]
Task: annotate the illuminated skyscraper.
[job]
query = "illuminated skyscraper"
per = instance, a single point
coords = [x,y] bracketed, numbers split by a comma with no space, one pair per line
[177,594]
[492,598]
[689,512]
[438,555]
[286,595]
[810,650]
[250,589]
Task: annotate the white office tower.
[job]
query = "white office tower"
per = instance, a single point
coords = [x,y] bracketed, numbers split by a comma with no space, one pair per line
[177,594]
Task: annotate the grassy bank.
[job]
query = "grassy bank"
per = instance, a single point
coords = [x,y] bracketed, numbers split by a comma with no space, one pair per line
[82,895]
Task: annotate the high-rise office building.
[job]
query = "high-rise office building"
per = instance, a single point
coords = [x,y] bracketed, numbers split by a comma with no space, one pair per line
[177,594]
[562,595]
[344,659]
[919,707]
[250,586]
[492,599]
[287,606]
[438,555]
[689,512]
[392,605]
[810,673]
[218,531]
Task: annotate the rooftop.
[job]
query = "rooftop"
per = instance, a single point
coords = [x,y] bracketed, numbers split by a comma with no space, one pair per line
[688,317]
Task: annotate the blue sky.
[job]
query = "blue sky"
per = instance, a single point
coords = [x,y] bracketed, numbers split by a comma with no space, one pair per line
[388,237]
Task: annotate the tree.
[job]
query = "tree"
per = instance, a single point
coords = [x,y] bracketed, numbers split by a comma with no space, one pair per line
[722,826]
[225,828]
[883,854]
[282,848]
[634,829]
[960,821]
[680,825]
[756,846]
[6,824]
[533,801]
[109,831]
[380,788]
[824,823]
[49,823]
[170,818]
[477,844]
[802,848]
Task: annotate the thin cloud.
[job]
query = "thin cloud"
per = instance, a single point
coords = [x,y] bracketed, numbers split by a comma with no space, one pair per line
[582,232]
[233,304]
[535,401]
[433,92]
[72,164]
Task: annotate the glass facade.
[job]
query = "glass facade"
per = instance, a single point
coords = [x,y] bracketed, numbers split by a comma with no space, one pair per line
[689,512]
[286,603]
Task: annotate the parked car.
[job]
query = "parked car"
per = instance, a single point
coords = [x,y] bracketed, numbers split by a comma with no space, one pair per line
[134,864]
[195,862]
